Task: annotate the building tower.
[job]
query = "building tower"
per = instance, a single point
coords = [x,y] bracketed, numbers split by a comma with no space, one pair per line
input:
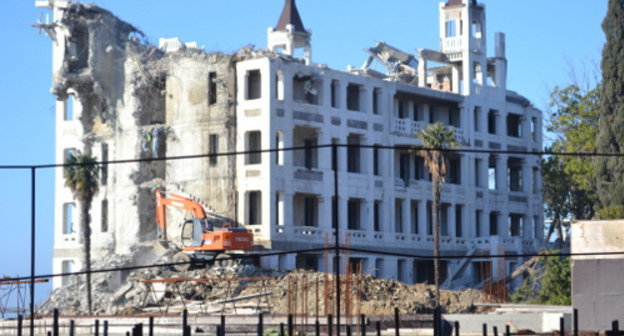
[463,40]
[289,34]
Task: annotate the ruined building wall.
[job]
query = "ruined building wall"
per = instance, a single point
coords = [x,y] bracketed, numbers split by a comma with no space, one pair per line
[200,116]
[103,68]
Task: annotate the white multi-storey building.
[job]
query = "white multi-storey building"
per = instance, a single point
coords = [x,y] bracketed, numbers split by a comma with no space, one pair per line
[491,202]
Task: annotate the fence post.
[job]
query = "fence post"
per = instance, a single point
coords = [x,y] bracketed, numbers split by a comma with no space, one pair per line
[260,325]
[140,329]
[218,330]
[186,331]
[495,328]
[457,328]
[20,321]
[348,330]
[576,331]
[105,331]
[363,325]
[222,325]
[184,319]
[330,325]
[378,328]
[396,321]
[436,323]
[55,323]
[150,329]
[561,327]
[317,328]
[282,332]
[615,327]
[484,329]
[71,328]
[507,331]
[290,325]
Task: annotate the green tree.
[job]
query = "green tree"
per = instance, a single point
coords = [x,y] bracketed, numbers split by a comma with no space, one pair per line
[569,188]
[436,136]
[610,170]
[81,177]
[551,284]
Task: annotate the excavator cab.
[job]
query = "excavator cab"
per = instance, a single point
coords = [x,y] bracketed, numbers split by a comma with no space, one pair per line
[193,230]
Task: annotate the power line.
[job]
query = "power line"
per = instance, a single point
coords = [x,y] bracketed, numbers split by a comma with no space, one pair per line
[274,150]
[322,249]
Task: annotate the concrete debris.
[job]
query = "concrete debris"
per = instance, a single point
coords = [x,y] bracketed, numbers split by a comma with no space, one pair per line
[218,290]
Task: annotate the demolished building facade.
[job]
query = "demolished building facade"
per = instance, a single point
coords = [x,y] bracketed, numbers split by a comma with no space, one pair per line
[119,98]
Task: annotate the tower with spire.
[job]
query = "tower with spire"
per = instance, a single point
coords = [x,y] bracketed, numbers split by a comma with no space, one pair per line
[289,34]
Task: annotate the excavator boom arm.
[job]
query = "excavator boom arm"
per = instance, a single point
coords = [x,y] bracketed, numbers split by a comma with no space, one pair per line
[177,201]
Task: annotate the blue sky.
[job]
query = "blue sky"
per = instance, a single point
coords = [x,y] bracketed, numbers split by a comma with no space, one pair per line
[545,39]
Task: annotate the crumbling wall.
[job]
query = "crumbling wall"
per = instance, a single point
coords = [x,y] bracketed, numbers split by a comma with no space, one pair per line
[110,71]
[201,121]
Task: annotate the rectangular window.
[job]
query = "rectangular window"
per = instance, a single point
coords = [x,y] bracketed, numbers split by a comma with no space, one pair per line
[492,121]
[279,155]
[279,208]
[377,216]
[69,108]
[419,168]
[354,213]
[213,145]
[454,171]
[414,215]
[254,85]
[401,270]
[515,224]
[514,125]
[404,161]
[444,219]
[458,220]
[429,218]
[492,178]
[253,145]
[450,28]
[376,163]
[403,109]
[379,268]
[104,167]
[415,112]
[536,227]
[353,154]
[68,218]
[493,223]
[212,88]
[514,174]
[254,207]
[310,211]
[477,173]
[335,95]
[335,160]
[376,100]
[478,223]
[104,224]
[353,97]
[535,181]
[398,215]
[534,129]
[476,116]
[279,85]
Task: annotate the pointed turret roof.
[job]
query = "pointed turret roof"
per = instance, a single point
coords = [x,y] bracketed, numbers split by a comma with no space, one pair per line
[290,15]
[459,2]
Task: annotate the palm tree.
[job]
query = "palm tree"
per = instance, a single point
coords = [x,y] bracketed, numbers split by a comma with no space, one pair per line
[436,136]
[81,177]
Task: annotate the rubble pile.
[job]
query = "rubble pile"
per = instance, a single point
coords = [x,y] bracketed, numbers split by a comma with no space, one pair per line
[230,289]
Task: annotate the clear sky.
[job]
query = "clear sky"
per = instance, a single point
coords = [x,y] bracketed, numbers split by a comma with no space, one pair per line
[545,39]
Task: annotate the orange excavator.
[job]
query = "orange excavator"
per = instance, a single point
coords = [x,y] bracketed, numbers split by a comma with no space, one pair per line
[202,239]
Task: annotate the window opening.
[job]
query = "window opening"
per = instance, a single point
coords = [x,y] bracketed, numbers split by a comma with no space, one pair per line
[254,84]
[212,88]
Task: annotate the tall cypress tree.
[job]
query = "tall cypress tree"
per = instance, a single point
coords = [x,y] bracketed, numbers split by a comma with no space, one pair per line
[610,170]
